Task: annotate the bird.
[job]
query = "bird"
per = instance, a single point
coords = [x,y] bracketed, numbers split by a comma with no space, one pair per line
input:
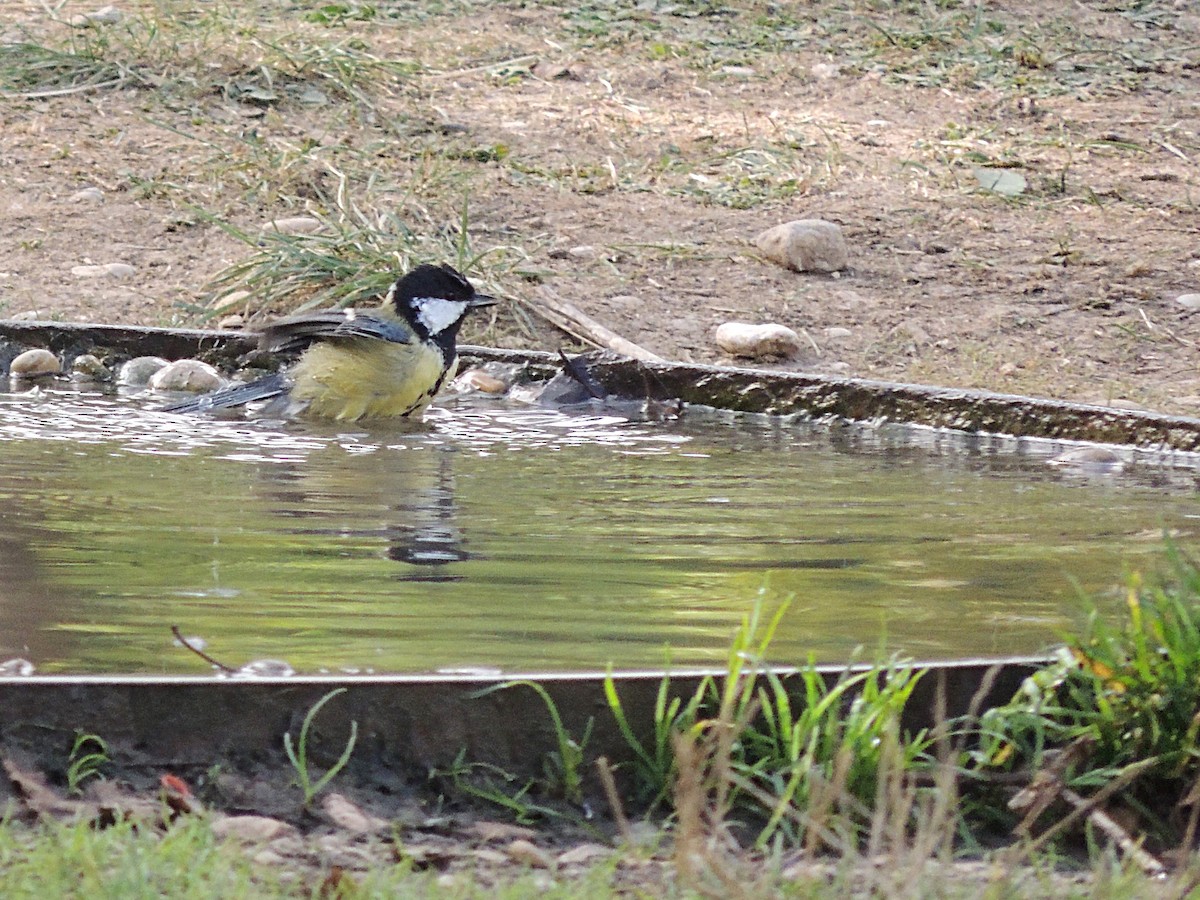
[353,364]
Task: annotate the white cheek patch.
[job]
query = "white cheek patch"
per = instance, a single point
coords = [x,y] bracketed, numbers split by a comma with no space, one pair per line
[437,313]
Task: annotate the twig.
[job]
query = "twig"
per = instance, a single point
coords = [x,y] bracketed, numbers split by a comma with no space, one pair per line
[62,92]
[614,801]
[1174,151]
[1016,853]
[200,653]
[1109,826]
[579,325]
[515,61]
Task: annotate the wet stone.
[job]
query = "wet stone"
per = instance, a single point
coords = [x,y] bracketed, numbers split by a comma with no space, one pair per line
[187,375]
[138,371]
[34,363]
[86,367]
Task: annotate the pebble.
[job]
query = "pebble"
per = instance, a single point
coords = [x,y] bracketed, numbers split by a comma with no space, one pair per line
[293,225]
[139,370]
[187,375]
[251,829]
[757,341]
[479,380]
[89,368]
[806,245]
[87,195]
[33,363]
[231,323]
[266,668]
[838,334]
[1098,460]
[29,315]
[112,270]
[1188,301]
[16,668]
[105,15]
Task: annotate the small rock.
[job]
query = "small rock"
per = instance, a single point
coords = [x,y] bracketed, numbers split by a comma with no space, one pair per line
[757,341]
[584,855]
[806,245]
[479,380]
[87,195]
[500,831]
[1099,460]
[16,668]
[583,251]
[231,323]
[187,375]
[293,225]
[1188,301]
[825,71]
[112,270]
[29,315]
[838,334]
[251,829]
[529,854]
[266,668]
[139,370]
[34,363]
[347,816]
[86,367]
[105,15]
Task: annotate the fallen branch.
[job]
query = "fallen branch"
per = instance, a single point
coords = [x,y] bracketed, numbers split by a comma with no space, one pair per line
[564,316]
[1116,833]
[217,664]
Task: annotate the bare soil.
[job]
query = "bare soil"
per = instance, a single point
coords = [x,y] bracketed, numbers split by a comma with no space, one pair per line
[628,155]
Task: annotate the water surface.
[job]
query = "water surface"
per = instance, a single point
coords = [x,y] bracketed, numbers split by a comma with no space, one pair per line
[511,537]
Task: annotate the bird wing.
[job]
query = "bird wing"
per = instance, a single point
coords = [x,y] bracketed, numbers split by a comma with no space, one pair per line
[297,332]
[238,395]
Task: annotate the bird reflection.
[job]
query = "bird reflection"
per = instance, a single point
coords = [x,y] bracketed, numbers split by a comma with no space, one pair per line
[413,489]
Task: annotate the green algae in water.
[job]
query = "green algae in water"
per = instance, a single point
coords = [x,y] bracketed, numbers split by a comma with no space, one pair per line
[514,538]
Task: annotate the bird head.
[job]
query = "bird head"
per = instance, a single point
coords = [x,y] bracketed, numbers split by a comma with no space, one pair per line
[434,300]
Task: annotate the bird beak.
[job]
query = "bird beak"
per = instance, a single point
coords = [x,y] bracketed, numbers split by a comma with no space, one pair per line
[481,300]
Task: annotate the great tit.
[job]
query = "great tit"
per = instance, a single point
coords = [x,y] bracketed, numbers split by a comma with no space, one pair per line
[358,365]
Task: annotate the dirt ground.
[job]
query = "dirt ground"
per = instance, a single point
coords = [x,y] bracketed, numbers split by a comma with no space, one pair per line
[625,156]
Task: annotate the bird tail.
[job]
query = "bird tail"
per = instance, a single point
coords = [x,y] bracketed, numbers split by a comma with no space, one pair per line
[228,398]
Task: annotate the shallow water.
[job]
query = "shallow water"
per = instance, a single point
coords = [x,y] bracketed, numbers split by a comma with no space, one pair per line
[512,537]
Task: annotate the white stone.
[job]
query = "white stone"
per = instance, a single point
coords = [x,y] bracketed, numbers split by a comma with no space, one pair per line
[293,225]
[187,375]
[33,363]
[1188,301]
[838,334]
[757,341]
[111,270]
[806,245]
[88,195]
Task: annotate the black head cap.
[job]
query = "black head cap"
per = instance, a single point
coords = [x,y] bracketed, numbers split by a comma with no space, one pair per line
[442,282]
[416,298]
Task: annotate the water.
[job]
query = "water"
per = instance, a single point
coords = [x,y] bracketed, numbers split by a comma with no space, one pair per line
[510,537]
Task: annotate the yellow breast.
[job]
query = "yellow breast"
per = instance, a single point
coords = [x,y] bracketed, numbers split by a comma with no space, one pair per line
[366,379]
